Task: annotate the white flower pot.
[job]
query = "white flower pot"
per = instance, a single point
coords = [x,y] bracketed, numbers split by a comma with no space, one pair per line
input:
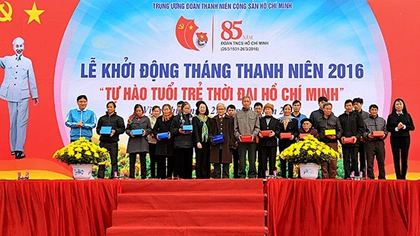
[309,171]
[82,171]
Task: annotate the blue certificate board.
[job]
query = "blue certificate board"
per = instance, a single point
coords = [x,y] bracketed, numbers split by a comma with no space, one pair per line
[137,132]
[106,129]
[163,135]
[187,128]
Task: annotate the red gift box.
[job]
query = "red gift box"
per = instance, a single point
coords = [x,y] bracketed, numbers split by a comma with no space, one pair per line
[265,133]
[285,135]
[302,135]
[378,134]
[348,140]
[246,138]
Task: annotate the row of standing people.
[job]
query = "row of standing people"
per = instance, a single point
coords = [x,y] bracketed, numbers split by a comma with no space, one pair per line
[362,134]
[178,146]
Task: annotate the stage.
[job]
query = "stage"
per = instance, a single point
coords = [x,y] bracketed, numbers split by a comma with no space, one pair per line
[295,207]
[343,207]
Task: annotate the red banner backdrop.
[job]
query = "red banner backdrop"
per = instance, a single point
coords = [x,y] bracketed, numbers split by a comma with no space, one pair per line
[42,42]
[399,24]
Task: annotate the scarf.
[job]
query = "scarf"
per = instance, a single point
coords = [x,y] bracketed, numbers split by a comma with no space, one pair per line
[285,118]
[152,120]
[132,117]
[205,129]
[188,116]
[168,117]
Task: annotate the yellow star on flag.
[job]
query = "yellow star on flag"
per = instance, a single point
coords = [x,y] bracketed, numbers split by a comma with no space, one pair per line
[34,14]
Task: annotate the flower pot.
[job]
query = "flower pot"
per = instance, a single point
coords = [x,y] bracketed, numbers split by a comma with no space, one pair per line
[82,171]
[309,170]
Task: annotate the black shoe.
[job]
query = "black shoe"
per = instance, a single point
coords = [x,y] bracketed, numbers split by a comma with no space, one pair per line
[13,153]
[20,155]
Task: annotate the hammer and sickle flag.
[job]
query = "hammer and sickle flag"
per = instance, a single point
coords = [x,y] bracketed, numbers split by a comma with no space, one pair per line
[6,16]
[184,32]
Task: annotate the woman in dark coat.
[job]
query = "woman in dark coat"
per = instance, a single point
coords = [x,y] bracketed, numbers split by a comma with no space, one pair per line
[287,125]
[152,141]
[201,126]
[183,142]
[268,144]
[399,124]
[137,144]
[221,154]
[164,147]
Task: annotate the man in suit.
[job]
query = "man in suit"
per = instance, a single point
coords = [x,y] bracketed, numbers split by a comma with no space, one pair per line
[18,85]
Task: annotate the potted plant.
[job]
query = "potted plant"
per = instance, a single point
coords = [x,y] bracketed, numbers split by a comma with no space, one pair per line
[309,153]
[82,155]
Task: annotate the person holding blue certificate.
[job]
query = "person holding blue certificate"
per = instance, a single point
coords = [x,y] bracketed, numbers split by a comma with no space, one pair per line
[138,127]
[164,142]
[109,128]
[182,131]
[222,140]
